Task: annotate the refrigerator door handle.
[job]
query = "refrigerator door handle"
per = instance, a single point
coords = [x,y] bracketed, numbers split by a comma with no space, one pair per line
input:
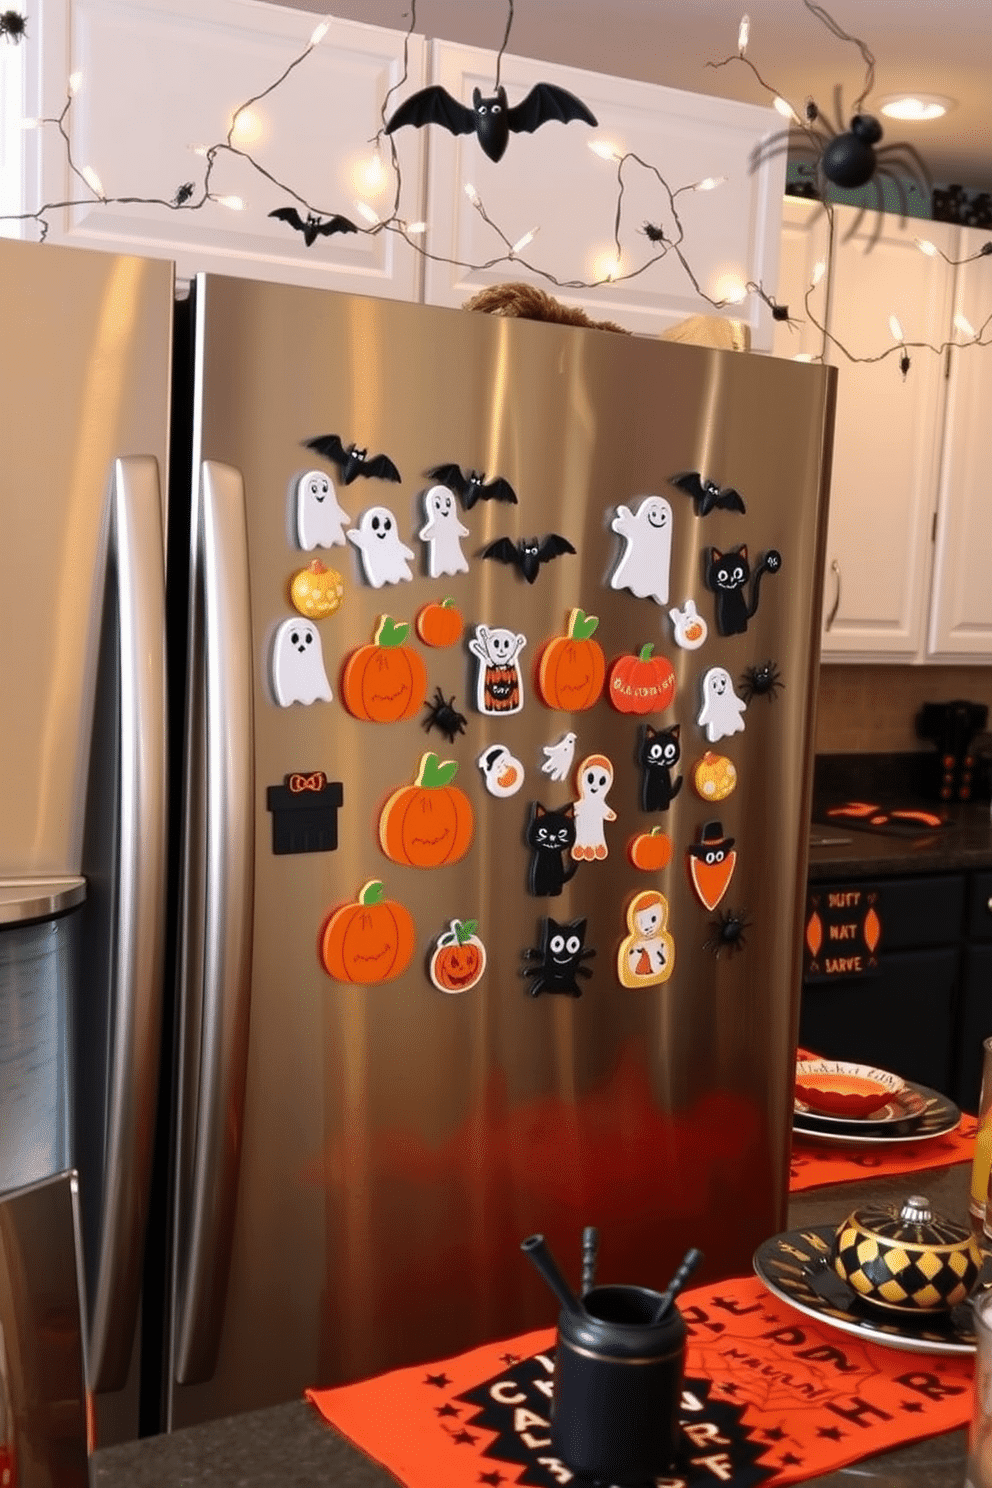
[208,1214]
[138,554]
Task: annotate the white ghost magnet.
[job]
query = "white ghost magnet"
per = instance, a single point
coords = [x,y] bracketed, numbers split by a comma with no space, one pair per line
[689,627]
[647,556]
[722,712]
[558,757]
[442,533]
[385,559]
[298,674]
[320,521]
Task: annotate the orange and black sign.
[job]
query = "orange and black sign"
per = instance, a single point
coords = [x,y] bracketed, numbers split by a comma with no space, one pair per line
[842,935]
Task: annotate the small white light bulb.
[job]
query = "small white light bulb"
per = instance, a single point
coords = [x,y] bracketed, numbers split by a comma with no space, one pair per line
[472,194]
[743,35]
[521,243]
[964,325]
[75,83]
[30,124]
[925,246]
[783,107]
[819,269]
[709,183]
[415,229]
[93,181]
[318,33]
[803,356]
[605,150]
[364,210]
[896,328]
[232,203]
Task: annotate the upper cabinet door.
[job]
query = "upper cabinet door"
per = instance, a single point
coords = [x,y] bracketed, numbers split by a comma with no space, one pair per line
[805,242]
[158,78]
[961,606]
[887,436]
[551,183]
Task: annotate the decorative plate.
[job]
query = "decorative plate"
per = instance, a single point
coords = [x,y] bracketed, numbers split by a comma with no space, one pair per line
[938,1117]
[846,1092]
[795,1266]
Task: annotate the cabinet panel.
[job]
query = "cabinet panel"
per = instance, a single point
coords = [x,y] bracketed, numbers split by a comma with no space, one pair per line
[805,240]
[887,438]
[980,907]
[551,181]
[172,74]
[961,607]
[900,1019]
[975,1023]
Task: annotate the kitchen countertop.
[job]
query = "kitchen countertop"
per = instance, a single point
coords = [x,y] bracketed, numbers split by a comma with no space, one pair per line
[963,845]
[290,1445]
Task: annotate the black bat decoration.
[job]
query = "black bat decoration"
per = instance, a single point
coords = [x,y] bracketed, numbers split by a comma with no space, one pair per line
[352,461]
[472,486]
[313,227]
[707,494]
[528,553]
[490,118]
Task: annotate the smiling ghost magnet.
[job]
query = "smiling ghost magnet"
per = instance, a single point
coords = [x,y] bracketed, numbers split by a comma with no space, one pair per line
[298,674]
[646,559]
[722,712]
[385,559]
[320,520]
[442,532]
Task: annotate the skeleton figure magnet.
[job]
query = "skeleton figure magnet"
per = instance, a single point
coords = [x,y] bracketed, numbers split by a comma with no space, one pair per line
[499,683]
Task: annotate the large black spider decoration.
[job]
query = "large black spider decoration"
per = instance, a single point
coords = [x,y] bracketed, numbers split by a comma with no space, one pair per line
[444,716]
[559,957]
[763,680]
[13,25]
[728,933]
[849,156]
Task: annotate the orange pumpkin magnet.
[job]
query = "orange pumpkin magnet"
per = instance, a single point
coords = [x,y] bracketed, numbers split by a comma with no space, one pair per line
[370,940]
[428,823]
[650,851]
[647,952]
[643,683]
[714,777]
[385,681]
[572,668]
[458,959]
[316,591]
[711,862]
[439,623]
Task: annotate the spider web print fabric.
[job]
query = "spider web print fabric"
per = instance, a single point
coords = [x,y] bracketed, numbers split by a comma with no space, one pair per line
[769,1397]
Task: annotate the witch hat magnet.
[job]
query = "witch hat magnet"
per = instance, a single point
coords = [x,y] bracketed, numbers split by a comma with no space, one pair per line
[711,862]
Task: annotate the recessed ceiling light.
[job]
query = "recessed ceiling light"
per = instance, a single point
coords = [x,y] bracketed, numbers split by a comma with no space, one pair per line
[917,107]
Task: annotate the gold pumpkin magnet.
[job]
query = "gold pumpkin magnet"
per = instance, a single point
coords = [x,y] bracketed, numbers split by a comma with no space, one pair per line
[316,591]
[714,777]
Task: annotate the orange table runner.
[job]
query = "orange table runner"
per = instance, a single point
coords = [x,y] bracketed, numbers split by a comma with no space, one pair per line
[771,1396]
[815,1163]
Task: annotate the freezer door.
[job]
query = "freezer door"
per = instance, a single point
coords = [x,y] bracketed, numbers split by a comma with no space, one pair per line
[358,1160]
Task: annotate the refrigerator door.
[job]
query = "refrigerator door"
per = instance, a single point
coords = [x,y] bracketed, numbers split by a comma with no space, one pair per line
[370,1156]
[85,386]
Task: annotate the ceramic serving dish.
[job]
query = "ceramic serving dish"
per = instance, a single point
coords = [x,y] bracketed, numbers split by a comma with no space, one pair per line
[905,1258]
[846,1091]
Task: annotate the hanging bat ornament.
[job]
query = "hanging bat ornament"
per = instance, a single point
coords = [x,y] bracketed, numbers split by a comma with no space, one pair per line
[490,119]
[528,553]
[472,485]
[352,461]
[706,494]
[312,226]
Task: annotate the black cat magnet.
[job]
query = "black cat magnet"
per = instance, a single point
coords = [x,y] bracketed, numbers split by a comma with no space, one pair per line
[728,575]
[658,752]
[559,959]
[550,837]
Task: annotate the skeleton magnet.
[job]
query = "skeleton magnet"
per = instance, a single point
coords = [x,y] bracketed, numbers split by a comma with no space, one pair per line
[499,686]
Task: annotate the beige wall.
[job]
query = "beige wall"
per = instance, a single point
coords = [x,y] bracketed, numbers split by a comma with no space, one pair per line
[871,709]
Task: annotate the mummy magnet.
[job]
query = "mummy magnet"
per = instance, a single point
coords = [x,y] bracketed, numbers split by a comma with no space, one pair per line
[499,685]
[385,559]
[442,532]
[320,520]
[711,862]
[727,574]
[298,674]
[647,952]
[647,555]
[501,771]
[458,960]
[658,752]
[722,713]
[558,757]
[688,626]
[591,809]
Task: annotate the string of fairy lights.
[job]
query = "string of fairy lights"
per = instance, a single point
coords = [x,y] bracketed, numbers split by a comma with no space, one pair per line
[832,153]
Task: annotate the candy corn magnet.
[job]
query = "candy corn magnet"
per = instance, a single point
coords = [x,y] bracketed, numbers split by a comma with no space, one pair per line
[711,862]
[647,952]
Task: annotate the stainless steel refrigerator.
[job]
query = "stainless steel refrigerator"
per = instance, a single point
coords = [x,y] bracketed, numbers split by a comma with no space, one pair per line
[360,1147]
[85,392]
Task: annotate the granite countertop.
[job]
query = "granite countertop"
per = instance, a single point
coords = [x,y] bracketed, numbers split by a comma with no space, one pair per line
[290,1444]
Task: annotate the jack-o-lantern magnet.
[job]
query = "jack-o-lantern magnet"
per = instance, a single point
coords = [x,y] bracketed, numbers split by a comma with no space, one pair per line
[386,681]
[458,960]
[370,940]
[428,823]
[316,591]
[572,668]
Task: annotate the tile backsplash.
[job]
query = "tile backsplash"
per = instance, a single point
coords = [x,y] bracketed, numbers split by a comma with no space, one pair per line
[871,709]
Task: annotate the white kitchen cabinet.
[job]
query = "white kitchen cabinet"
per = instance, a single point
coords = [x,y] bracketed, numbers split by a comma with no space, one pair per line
[157,79]
[881,584]
[960,627]
[551,182]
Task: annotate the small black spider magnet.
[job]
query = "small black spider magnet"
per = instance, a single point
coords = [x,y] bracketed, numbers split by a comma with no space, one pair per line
[763,680]
[444,716]
[559,958]
[13,25]
[183,194]
[728,933]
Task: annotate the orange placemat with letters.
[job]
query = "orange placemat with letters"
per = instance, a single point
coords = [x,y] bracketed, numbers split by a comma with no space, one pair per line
[814,1164]
[770,1396]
